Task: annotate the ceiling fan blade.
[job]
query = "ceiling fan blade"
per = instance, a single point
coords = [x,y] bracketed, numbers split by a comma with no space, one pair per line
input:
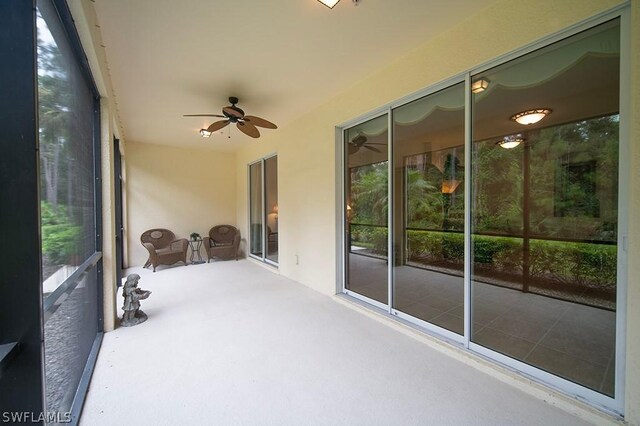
[248,129]
[372,148]
[217,126]
[375,143]
[353,149]
[359,140]
[204,115]
[260,122]
[233,112]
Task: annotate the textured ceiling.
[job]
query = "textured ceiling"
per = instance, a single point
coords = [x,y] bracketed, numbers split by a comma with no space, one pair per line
[282,58]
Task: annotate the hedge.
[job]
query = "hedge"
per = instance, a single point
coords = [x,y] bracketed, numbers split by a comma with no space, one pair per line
[566,262]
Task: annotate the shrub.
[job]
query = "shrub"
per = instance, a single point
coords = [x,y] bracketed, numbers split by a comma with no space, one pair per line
[59,236]
[566,262]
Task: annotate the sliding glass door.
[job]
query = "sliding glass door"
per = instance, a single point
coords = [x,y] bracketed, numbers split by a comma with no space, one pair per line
[498,207]
[428,155]
[367,209]
[271,208]
[545,208]
[263,210]
[256,240]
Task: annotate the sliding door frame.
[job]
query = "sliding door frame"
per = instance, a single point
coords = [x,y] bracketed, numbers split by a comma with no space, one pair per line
[613,405]
[263,209]
[342,230]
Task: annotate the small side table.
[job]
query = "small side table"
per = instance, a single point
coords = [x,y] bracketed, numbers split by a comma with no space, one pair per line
[195,251]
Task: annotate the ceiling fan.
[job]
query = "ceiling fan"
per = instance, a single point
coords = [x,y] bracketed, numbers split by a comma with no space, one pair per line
[360,141]
[232,114]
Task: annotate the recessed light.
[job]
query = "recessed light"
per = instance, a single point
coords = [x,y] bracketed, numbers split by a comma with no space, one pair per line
[205,133]
[531,116]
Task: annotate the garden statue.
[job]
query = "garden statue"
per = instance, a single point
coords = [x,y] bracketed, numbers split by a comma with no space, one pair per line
[132,296]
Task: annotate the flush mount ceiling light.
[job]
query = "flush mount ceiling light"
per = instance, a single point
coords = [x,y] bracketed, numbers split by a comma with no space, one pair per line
[329,3]
[531,116]
[205,133]
[510,141]
[480,85]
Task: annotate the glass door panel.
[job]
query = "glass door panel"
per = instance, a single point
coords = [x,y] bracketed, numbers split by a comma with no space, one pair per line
[255,209]
[428,153]
[545,208]
[271,207]
[366,177]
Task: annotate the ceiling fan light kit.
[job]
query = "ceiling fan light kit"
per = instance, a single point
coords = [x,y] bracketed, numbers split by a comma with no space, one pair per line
[233,114]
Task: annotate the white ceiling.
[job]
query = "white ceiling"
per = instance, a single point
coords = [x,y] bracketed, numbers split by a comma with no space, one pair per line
[282,58]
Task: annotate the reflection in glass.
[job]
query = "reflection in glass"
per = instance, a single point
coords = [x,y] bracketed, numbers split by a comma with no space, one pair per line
[255,208]
[67,211]
[544,212]
[367,208]
[271,195]
[428,152]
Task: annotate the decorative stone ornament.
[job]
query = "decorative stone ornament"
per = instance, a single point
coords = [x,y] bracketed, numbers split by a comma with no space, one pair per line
[133,315]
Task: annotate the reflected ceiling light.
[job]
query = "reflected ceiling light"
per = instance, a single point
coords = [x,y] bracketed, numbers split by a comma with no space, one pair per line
[205,133]
[480,85]
[531,116]
[329,3]
[450,186]
[511,141]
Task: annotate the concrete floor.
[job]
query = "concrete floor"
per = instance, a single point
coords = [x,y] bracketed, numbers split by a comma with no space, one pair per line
[232,343]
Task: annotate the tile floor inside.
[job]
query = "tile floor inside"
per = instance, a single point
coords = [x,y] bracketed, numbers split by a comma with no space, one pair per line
[576,342]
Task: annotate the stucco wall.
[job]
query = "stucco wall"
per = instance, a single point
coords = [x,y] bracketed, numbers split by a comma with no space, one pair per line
[184,190]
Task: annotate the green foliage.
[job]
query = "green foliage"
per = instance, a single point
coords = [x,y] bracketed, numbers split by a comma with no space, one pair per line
[566,262]
[59,236]
[369,188]
[371,237]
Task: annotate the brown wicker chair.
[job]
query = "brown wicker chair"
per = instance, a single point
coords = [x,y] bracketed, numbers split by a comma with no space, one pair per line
[163,248]
[222,242]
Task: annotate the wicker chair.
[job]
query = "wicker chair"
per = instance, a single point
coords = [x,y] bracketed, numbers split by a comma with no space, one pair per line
[163,248]
[222,242]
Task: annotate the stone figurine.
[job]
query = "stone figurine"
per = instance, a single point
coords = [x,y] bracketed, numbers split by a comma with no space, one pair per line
[133,315]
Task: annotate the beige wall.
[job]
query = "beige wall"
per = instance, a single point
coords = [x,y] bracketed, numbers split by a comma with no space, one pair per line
[306,147]
[184,190]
